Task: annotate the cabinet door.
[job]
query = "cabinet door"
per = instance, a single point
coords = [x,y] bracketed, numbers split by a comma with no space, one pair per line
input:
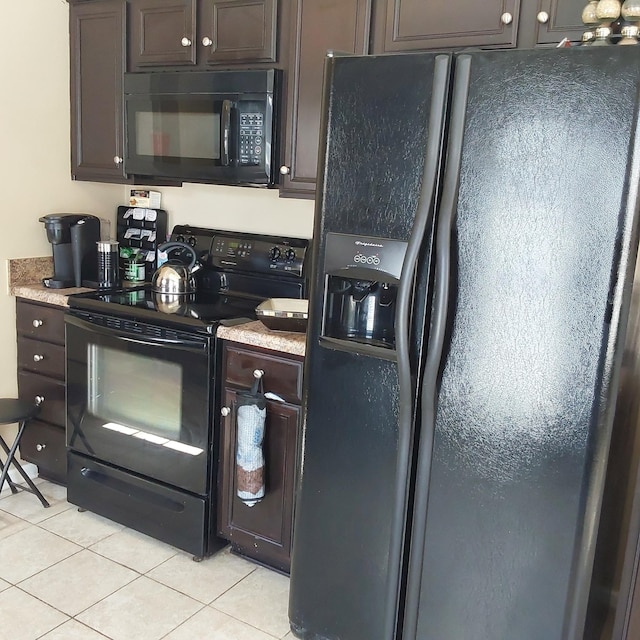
[44,445]
[406,25]
[162,32]
[263,531]
[238,31]
[318,26]
[97,38]
[40,322]
[41,357]
[558,19]
[49,393]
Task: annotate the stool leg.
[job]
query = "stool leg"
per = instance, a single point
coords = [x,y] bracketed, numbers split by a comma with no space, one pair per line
[12,486]
[11,459]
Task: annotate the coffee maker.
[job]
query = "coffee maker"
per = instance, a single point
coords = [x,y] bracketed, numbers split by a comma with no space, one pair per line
[73,238]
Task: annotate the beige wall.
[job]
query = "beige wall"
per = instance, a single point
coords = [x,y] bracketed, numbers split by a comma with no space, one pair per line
[34,162]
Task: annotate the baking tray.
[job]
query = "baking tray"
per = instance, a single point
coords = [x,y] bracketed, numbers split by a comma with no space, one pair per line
[284,314]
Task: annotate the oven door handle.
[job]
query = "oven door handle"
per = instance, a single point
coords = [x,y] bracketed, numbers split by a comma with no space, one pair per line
[186,341]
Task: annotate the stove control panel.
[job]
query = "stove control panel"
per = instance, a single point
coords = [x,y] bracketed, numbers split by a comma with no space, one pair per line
[260,254]
[249,253]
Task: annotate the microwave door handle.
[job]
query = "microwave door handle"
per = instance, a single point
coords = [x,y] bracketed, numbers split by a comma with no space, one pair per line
[226,132]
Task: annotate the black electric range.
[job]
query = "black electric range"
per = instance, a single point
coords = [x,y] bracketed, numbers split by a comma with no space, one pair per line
[142,392]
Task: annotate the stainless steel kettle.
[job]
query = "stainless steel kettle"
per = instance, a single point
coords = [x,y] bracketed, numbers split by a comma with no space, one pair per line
[175,276]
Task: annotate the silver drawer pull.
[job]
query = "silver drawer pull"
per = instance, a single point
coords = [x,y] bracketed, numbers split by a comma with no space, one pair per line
[39,400]
[37,323]
[41,447]
[258,373]
[38,358]
[225,411]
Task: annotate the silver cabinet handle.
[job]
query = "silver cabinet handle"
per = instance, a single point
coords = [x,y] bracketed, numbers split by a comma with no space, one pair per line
[41,447]
[117,160]
[258,373]
[39,400]
[506,18]
[206,41]
[284,170]
[37,357]
[225,411]
[185,42]
[543,17]
[37,323]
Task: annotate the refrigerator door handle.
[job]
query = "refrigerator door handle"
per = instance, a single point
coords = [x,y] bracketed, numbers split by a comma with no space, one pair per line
[429,387]
[422,223]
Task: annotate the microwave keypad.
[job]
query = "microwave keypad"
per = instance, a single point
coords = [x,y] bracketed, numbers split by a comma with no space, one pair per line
[251,138]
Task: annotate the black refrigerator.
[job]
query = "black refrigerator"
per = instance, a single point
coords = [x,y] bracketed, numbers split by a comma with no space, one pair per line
[476,230]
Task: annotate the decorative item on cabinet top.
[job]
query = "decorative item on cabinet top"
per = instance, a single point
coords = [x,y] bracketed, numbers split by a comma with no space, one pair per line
[614,22]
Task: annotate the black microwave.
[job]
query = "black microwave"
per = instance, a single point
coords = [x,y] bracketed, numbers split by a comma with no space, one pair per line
[203,126]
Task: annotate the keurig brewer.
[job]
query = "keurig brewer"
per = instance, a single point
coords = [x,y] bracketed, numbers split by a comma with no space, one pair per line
[73,238]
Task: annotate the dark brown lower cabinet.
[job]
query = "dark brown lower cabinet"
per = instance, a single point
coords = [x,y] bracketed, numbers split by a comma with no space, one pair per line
[41,379]
[263,531]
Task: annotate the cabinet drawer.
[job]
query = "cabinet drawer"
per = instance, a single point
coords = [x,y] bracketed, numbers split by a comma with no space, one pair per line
[44,445]
[40,322]
[48,392]
[282,376]
[41,357]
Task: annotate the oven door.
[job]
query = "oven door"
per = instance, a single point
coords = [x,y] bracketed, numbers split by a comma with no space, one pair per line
[139,397]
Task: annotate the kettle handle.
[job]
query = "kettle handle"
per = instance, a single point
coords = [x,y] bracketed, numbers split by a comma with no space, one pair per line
[168,246]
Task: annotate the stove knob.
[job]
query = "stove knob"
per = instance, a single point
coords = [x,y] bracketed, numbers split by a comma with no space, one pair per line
[179,238]
[192,241]
[275,253]
[225,411]
[290,255]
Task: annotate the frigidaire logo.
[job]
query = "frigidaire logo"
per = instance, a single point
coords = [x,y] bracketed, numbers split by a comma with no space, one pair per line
[368,244]
[362,259]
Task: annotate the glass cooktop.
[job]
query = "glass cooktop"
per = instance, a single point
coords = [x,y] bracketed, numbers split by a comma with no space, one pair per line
[202,310]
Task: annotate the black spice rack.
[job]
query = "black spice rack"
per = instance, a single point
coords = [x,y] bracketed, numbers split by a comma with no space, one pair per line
[144,230]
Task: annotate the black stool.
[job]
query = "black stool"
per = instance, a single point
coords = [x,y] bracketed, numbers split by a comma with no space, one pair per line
[11,412]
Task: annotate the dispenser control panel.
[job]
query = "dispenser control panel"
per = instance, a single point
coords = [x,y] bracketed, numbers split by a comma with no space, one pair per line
[346,251]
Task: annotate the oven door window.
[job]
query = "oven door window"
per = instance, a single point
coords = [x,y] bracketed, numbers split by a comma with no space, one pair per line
[140,405]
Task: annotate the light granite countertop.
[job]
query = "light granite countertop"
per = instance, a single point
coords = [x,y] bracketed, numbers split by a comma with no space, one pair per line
[256,334]
[25,281]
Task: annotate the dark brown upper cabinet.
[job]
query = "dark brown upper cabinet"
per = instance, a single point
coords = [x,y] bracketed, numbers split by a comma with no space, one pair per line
[162,32]
[407,25]
[317,26]
[240,30]
[166,33]
[553,21]
[97,52]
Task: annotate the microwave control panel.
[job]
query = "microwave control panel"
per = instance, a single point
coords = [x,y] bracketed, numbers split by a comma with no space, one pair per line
[251,138]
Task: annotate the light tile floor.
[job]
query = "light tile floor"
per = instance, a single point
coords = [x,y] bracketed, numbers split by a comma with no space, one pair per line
[66,575]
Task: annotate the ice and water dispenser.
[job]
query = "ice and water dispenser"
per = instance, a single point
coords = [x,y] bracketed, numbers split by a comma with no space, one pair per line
[361,285]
